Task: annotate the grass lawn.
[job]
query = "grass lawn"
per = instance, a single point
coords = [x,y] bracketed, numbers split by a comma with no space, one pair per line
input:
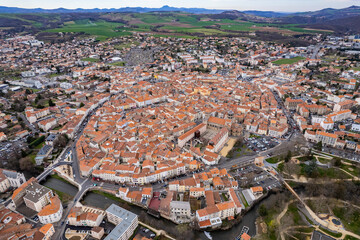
[126,45]
[350,238]
[293,210]
[336,235]
[288,61]
[324,160]
[349,217]
[61,179]
[273,160]
[90,59]
[244,201]
[64,197]
[39,146]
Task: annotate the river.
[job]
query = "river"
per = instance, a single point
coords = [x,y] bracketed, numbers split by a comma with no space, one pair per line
[100,201]
[60,186]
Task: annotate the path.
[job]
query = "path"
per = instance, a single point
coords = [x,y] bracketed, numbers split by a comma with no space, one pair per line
[318,220]
[280,216]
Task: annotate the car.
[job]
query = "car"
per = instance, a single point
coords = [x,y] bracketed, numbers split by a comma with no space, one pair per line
[152,235]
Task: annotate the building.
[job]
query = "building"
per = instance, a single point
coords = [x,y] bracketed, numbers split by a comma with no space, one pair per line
[180,212]
[50,139]
[52,212]
[219,140]
[43,153]
[326,138]
[37,196]
[9,178]
[126,222]
[47,230]
[85,216]
[292,104]
[97,232]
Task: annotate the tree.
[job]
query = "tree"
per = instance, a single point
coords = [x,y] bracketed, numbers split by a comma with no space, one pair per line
[82,104]
[26,164]
[311,169]
[318,146]
[61,141]
[51,103]
[288,156]
[336,162]
[263,210]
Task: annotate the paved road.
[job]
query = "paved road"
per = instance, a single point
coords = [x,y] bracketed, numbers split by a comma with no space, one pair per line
[28,124]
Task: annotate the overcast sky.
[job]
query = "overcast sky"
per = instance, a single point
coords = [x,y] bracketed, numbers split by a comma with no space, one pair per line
[274,5]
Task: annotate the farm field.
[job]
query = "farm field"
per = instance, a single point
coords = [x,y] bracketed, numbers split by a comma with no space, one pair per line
[101,29]
[171,24]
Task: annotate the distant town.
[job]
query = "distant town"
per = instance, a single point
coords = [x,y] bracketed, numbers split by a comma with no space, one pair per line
[143,137]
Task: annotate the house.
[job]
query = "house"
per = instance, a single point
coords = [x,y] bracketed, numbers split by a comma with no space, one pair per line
[97,232]
[180,212]
[47,124]
[3,137]
[226,209]
[197,192]
[257,191]
[81,215]
[47,230]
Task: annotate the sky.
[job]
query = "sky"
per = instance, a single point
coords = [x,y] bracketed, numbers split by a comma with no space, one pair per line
[272,5]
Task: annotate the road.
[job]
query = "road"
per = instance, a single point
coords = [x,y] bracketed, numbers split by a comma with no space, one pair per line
[28,124]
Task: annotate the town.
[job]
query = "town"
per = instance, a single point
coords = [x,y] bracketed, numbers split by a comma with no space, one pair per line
[194,132]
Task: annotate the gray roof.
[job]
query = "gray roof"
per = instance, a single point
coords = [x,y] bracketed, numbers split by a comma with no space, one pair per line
[44,150]
[51,137]
[180,204]
[127,219]
[10,173]
[35,191]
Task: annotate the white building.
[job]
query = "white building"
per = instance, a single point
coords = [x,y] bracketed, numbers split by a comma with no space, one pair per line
[52,212]
[126,222]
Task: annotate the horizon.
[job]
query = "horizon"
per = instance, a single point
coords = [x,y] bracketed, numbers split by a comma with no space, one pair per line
[261,5]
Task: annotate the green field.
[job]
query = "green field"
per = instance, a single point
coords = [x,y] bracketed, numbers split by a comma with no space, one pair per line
[90,59]
[171,24]
[101,29]
[288,61]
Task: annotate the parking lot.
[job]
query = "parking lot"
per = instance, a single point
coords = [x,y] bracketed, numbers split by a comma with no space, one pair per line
[145,232]
[258,144]
[255,176]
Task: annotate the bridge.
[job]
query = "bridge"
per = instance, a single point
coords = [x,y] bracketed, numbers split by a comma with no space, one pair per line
[49,170]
